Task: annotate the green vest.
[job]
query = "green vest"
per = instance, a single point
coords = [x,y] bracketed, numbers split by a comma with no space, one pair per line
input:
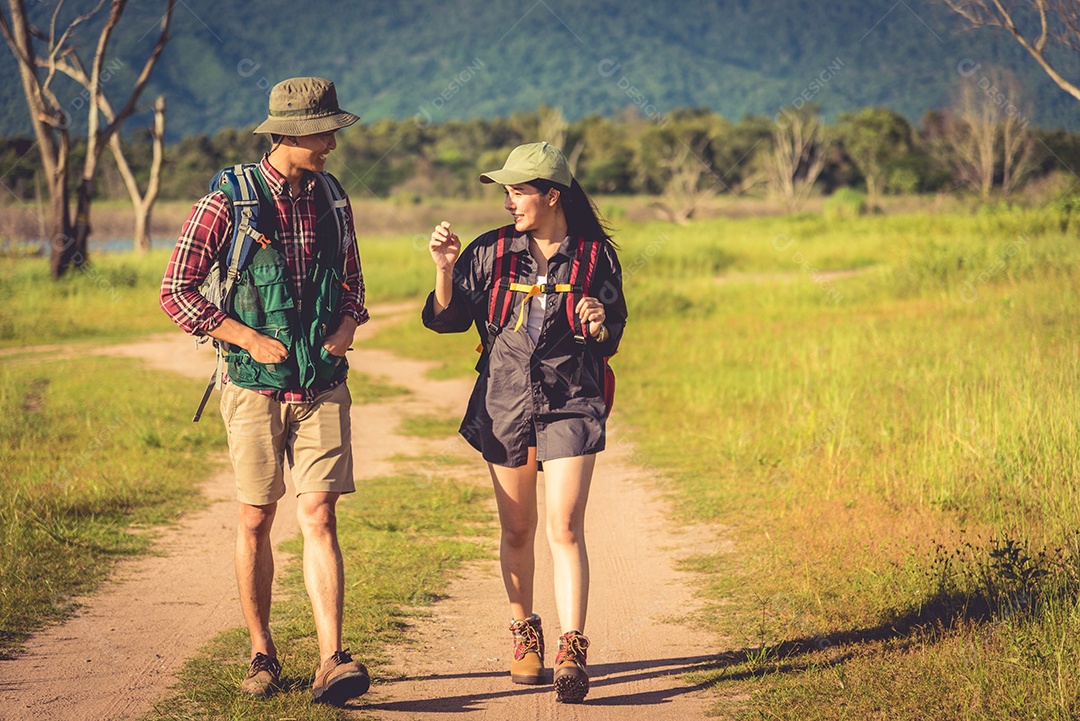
[264,300]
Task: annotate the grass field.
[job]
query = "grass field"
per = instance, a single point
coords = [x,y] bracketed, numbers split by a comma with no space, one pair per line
[877,415]
[880,416]
[85,461]
[892,455]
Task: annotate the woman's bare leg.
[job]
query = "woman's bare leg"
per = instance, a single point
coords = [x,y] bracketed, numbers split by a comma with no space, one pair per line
[515,494]
[567,483]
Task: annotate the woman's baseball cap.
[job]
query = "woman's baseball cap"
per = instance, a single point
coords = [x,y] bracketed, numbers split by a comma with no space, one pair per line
[305,106]
[534,161]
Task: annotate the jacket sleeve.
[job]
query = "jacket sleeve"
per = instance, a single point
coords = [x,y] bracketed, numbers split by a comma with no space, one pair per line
[607,287]
[472,279]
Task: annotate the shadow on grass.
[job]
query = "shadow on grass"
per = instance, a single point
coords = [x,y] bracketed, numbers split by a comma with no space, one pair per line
[976,586]
[947,609]
[933,619]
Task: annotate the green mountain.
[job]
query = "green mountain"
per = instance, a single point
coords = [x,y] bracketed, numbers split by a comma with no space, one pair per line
[476,58]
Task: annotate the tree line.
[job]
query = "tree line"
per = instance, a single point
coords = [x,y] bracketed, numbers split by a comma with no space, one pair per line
[979,146]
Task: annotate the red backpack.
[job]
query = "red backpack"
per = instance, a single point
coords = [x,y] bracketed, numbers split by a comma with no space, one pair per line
[581,273]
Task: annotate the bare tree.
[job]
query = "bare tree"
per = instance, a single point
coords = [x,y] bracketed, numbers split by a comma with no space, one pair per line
[797,156]
[142,204]
[683,168]
[1017,143]
[1058,25]
[68,236]
[50,123]
[973,140]
[984,139]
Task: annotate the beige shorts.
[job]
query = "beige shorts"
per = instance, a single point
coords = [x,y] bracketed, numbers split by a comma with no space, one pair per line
[315,437]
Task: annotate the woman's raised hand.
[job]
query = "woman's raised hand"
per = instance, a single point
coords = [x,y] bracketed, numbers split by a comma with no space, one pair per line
[445,246]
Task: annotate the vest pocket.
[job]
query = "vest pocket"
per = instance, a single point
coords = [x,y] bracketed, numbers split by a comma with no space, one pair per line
[266,304]
[247,373]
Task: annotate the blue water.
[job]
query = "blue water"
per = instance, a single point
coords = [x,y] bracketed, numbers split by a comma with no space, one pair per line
[114,245]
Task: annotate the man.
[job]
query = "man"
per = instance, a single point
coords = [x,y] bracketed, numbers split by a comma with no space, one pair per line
[295,307]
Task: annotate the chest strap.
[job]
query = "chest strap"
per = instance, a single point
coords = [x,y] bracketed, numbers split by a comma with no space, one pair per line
[531,291]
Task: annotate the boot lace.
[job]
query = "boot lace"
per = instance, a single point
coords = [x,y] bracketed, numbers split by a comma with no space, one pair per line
[527,638]
[572,647]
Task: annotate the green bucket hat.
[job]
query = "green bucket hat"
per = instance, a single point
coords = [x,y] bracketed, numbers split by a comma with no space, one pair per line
[304,106]
[534,161]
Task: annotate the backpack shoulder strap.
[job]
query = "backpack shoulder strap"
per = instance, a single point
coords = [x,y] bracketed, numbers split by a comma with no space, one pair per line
[581,274]
[244,186]
[244,189]
[337,200]
[503,273]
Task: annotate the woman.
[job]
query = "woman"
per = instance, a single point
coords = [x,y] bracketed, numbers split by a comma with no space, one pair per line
[545,295]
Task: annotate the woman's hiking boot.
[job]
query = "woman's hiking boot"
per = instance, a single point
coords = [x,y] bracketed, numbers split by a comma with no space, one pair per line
[528,664]
[339,679]
[263,676]
[571,678]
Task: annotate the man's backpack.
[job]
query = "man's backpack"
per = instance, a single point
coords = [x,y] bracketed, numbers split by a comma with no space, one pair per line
[249,195]
[242,185]
[503,288]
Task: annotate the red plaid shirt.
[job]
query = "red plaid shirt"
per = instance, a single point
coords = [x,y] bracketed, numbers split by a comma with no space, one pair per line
[209,228]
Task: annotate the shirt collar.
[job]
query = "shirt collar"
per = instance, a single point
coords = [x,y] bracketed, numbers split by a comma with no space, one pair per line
[567,246]
[276,181]
[520,244]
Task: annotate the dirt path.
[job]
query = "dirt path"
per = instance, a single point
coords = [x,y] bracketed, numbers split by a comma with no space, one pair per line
[124,647]
[457,667]
[122,651]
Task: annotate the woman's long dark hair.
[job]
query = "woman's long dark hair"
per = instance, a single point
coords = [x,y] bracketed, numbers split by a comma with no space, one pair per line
[582,217]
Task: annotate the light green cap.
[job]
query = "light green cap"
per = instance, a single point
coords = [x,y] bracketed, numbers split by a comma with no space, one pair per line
[534,161]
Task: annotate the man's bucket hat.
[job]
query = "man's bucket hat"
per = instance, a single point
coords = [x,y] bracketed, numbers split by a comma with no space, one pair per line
[305,106]
[534,161]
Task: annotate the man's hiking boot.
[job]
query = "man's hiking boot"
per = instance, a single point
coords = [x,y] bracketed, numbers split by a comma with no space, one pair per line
[339,679]
[263,676]
[571,678]
[528,664]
